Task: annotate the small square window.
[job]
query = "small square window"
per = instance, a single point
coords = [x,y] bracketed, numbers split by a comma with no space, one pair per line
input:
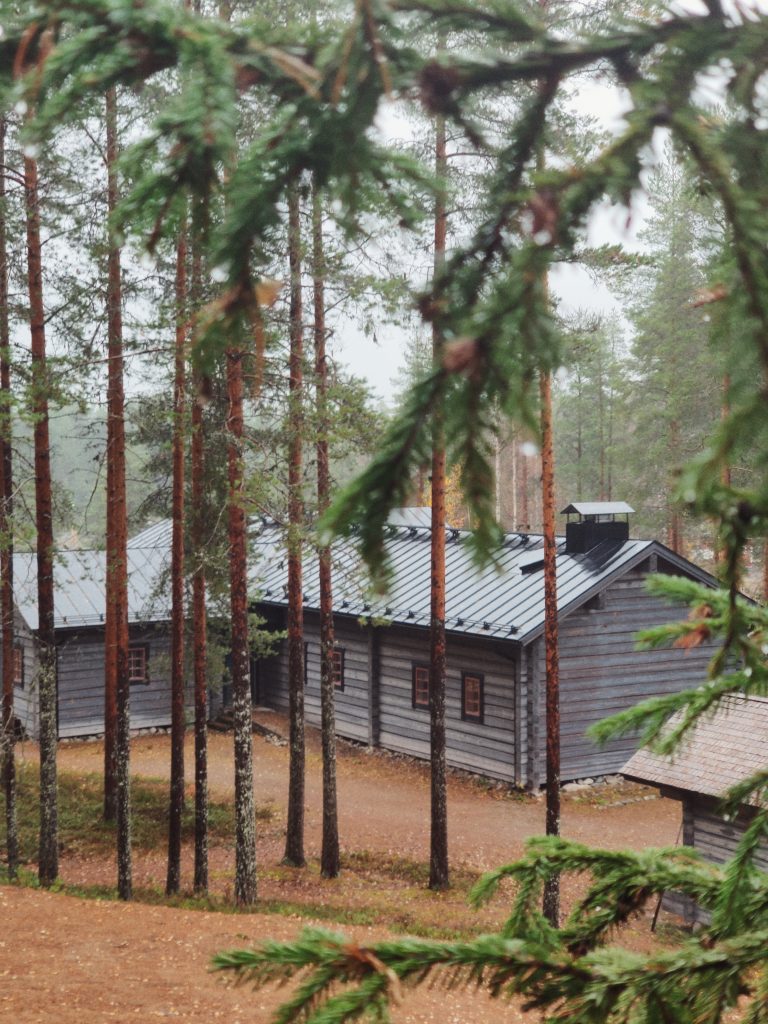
[138,659]
[18,666]
[338,668]
[420,681]
[472,697]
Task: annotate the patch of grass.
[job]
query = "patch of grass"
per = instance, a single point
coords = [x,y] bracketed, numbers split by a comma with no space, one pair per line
[405,869]
[403,923]
[82,829]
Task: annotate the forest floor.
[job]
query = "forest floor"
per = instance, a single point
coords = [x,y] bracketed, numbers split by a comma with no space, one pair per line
[78,957]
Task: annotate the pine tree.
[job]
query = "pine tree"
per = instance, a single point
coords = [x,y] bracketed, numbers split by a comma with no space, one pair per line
[245,822]
[117,683]
[329,853]
[199,589]
[176,795]
[7,724]
[48,857]
[294,835]
[489,297]
[438,844]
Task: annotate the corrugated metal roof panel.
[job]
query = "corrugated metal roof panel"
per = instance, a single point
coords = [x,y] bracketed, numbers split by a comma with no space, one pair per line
[79,587]
[157,535]
[496,600]
[415,516]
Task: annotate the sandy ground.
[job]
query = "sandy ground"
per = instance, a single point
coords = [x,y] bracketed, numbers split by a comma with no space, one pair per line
[79,961]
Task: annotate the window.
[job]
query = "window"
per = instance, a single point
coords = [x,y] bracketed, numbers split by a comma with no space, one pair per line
[138,661]
[18,666]
[471,697]
[420,695]
[338,668]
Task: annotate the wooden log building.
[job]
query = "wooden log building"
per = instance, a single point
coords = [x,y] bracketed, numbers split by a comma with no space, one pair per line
[495,621]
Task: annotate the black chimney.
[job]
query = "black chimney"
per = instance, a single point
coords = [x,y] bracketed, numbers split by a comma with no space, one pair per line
[597,521]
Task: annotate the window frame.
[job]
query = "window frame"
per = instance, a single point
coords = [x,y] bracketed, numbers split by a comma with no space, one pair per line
[468,716]
[338,675]
[18,665]
[420,666]
[138,680]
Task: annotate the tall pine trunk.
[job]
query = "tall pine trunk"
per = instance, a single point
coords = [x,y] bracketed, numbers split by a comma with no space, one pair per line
[329,854]
[294,838]
[552,888]
[6,538]
[245,825]
[199,614]
[176,795]
[438,850]
[675,529]
[48,855]
[116,632]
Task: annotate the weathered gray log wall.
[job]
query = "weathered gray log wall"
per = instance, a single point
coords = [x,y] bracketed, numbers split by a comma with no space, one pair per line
[705,829]
[601,672]
[81,682]
[376,704]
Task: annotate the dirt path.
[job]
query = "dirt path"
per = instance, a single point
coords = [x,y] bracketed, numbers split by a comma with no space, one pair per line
[83,961]
[384,801]
[72,961]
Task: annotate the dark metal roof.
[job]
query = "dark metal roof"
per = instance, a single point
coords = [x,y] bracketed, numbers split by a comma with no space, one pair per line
[412,516]
[505,599]
[157,535]
[721,751]
[79,587]
[597,508]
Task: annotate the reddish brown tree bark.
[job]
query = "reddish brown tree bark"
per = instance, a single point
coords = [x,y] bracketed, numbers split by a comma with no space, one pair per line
[552,888]
[245,838]
[199,614]
[294,838]
[176,797]
[117,683]
[438,850]
[329,855]
[48,855]
[6,539]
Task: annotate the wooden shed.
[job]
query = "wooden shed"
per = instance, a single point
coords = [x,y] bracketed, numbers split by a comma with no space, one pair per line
[494,623]
[720,752]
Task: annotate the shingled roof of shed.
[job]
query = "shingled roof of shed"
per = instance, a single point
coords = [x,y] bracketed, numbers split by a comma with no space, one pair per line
[504,599]
[722,751]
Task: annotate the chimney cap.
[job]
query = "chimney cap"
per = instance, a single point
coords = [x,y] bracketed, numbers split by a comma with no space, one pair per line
[597,508]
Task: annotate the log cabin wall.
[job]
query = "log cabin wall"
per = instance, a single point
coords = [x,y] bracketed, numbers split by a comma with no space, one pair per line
[81,681]
[705,830]
[602,672]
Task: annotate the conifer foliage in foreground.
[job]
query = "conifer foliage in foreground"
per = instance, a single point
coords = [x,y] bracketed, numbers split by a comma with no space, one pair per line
[490,301]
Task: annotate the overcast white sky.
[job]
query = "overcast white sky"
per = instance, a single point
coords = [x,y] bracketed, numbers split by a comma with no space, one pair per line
[575,288]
